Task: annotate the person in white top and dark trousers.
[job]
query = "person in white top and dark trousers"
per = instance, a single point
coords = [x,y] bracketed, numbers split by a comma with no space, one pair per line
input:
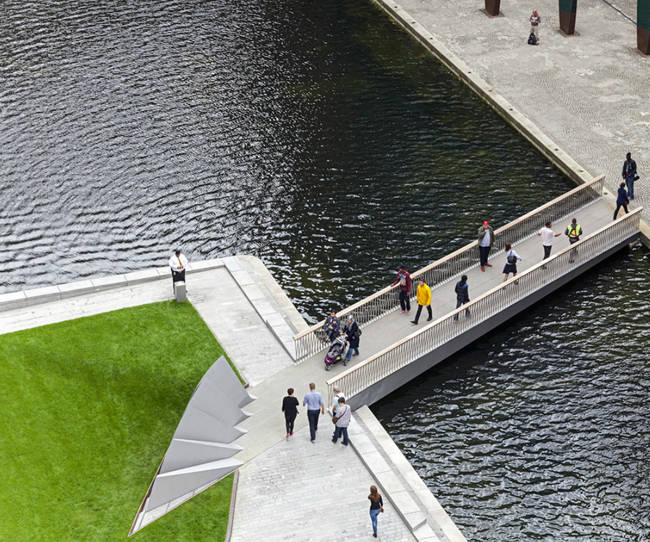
[178,265]
[547,239]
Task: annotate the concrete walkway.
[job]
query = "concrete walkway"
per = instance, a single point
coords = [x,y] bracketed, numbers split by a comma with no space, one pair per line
[265,425]
[299,491]
[589,93]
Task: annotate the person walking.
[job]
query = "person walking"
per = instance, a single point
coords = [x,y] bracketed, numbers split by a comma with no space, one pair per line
[621,200]
[341,421]
[535,20]
[315,407]
[376,507]
[178,265]
[337,395]
[405,283]
[485,243]
[547,235]
[424,300]
[629,174]
[353,333]
[290,409]
[332,326]
[511,262]
[573,232]
[462,295]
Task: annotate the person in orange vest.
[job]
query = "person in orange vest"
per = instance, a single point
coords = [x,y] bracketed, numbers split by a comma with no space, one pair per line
[424,300]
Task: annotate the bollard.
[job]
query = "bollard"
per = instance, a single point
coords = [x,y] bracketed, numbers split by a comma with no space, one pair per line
[492,7]
[643,26]
[180,292]
[568,10]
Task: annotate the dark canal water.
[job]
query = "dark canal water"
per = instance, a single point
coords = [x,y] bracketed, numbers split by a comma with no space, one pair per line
[321,138]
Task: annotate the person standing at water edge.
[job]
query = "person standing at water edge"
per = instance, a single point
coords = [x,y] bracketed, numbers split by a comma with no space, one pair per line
[315,407]
[573,232]
[376,507]
[290,409]
[178,265]
[485,243]
[424,300]
[332,325]
[511,262]
[462,295]
[547,239]
[621,200]
[629,174]
[341,421]
[353,333]
[404,281]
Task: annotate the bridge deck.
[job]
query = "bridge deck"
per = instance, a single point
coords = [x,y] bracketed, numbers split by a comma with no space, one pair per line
[266,427]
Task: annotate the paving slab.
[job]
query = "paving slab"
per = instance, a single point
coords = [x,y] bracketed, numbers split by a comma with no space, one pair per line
[589,93]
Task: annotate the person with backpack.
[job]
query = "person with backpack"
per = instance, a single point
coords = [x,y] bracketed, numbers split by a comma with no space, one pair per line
[573,232]
[353,333]
[424,300]
[511,262]
[534,19]
[404,281]
[629,174]
[462,295]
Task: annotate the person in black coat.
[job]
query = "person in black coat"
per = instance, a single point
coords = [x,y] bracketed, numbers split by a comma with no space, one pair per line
[621,200]
[352,332]
[290,409]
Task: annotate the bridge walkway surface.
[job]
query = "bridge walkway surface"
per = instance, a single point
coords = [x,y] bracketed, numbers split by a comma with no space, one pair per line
[585,203]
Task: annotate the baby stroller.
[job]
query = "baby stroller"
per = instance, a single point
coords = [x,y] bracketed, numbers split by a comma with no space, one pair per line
[336,352]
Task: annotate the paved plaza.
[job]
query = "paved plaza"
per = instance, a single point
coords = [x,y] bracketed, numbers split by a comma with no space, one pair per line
[590,93]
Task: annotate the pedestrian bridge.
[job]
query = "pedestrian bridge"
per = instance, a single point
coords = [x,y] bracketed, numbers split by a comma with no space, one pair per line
[394,351]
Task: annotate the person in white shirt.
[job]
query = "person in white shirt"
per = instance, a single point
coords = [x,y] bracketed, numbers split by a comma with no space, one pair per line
[178,265]
[511,262]
[341,421]
[547,239]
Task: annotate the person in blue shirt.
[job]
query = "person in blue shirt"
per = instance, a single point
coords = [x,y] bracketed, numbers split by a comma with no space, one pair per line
[621,200]
[314,402]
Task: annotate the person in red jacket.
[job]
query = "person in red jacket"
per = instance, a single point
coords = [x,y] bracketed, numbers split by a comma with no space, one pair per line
[404,281]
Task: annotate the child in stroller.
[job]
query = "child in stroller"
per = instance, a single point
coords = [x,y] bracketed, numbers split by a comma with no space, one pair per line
[336,352]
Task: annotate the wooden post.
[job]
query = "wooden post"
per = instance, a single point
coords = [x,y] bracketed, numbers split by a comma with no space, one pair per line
[568,16]
[492,7]
[643,26]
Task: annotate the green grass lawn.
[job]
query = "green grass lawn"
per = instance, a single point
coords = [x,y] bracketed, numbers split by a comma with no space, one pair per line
[87,410]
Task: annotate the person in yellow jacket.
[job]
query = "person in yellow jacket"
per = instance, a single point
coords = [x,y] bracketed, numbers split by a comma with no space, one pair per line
[424,300]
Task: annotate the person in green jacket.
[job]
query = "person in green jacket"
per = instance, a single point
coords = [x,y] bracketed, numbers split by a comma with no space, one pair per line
[485,243]
[424,300]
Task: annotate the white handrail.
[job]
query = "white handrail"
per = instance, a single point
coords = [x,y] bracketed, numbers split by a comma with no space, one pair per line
[380,303]
[625,223]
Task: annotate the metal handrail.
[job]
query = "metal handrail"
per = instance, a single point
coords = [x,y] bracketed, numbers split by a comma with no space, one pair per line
[412,347]
[385,301]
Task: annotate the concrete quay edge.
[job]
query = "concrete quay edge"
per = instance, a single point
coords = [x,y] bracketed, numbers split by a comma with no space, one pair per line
[36,296]
[401,484]
[528,129]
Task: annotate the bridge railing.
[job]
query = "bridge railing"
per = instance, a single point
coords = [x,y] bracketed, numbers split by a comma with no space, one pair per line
[414,346]
[384,301]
